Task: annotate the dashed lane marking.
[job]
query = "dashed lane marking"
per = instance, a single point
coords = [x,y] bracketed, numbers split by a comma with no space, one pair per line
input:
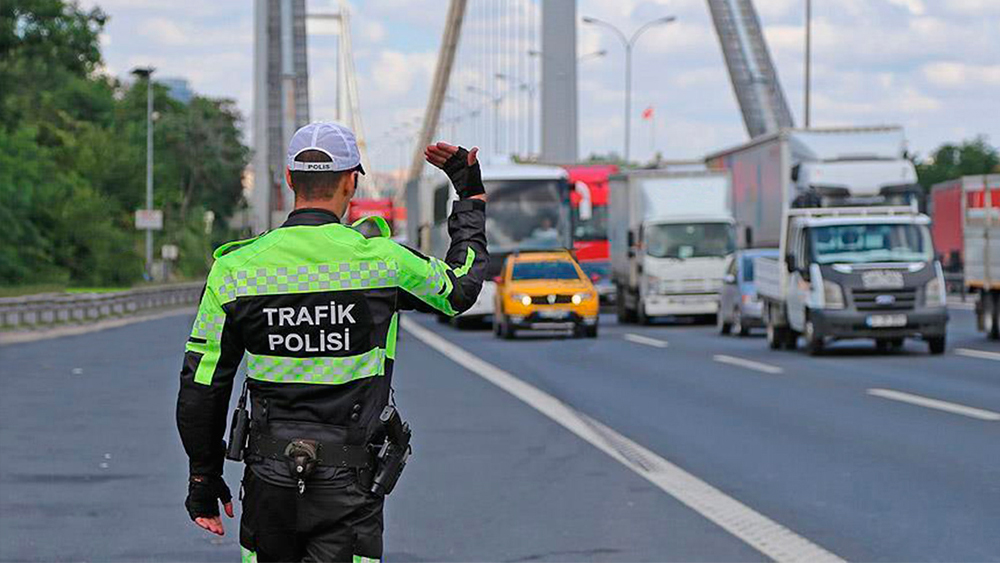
[758,531]
[639,339]
[919,400]
[749,364]
[981,354]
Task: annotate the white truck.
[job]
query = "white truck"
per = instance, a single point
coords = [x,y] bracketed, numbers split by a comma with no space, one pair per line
[670,234]
[856,258]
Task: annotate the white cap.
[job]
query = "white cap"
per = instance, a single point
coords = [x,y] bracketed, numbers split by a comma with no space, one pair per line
[332,139]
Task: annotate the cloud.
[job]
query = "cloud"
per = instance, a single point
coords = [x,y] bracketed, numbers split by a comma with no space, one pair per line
[931,66]
[164,32]
[395,72]
[960,75]
[915,7]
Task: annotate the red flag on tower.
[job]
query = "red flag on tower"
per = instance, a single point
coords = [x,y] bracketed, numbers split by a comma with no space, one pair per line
[647,113]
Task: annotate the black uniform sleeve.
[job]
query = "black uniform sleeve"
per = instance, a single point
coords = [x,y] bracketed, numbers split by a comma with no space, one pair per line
[452,285]
[212,356]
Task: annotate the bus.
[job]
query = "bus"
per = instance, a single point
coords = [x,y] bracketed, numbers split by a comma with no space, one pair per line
[589,205]
[528,209]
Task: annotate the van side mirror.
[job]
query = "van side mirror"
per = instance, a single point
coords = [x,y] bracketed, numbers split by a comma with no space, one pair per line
[790,263]
[729,279]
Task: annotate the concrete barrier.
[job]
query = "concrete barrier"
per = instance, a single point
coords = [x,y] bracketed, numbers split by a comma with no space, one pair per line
[51,309]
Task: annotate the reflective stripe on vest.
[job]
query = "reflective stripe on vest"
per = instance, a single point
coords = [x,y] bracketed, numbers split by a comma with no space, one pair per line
[322,370]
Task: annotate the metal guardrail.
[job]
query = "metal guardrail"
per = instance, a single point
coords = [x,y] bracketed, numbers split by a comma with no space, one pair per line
[50,309]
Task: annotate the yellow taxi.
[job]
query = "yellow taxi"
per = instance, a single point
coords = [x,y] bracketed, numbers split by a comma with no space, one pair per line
[544,290]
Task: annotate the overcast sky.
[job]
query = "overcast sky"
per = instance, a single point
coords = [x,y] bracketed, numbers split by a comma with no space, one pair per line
[932,66]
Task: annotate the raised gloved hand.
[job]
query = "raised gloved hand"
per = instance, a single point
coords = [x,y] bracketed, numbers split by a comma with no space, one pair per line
[461,167]
[204,494]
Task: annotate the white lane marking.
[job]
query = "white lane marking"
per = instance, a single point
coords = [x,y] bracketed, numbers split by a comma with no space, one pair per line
[955,408]
[639,339]
[981,354]
[749,364]
[760,532]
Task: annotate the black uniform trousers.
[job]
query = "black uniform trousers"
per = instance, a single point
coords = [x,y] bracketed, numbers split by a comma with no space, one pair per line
[333,522]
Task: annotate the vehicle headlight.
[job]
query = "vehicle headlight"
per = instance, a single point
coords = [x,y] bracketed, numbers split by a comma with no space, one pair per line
[934,295]
[521,298]
[833,295]
[581,297]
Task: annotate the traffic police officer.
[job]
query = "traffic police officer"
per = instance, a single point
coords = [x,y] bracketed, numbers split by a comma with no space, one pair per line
[314,306]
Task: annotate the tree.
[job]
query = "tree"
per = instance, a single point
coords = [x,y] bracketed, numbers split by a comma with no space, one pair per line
[949,161]
[73,156]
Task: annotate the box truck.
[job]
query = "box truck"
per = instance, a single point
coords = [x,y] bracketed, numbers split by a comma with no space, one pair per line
[670,235]
[966,214]
[856,258]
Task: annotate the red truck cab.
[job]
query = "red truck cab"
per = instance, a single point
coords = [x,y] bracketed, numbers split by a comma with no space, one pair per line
[366,207]
[589,201]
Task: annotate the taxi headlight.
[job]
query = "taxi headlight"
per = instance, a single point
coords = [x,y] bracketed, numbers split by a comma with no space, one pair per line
[581,297]
[833,295]
[521,298]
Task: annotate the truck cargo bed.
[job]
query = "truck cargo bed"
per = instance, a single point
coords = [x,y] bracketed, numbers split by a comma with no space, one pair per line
[767,275]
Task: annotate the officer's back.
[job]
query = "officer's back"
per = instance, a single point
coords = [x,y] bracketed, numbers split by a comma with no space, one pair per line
[314,305]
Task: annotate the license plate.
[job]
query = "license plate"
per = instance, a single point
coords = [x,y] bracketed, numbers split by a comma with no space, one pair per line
[553,314]
[878,279]
[885,321]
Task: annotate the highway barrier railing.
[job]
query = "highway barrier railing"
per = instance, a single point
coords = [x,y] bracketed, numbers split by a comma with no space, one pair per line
[53,309]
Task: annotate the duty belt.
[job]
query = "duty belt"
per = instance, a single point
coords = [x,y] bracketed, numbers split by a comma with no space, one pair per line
[324,453]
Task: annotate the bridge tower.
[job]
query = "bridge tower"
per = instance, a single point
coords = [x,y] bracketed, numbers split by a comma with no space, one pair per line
[280,102]
[751,70]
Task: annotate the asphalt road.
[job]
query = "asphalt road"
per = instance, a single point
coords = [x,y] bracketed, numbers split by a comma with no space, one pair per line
[832,448]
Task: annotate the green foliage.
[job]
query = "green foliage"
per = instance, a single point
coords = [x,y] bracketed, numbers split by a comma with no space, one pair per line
[950,161]
[73,157]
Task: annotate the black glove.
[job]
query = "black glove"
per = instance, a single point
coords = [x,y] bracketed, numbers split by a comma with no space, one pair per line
[204,494]
[468,180]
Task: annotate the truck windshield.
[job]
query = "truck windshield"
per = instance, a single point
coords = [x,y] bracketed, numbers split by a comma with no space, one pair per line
[526,215]
[560,270]
[871,243]
[594,228]
[689,240]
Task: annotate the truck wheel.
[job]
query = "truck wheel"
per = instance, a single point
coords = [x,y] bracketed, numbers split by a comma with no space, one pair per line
[774,340]
[814,342]
[625,315]
[591,331]
[721,324]
[993,314]
[936,345]
[791,339]
[738,327]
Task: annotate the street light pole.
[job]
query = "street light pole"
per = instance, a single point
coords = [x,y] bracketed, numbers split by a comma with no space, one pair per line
[147,73]
[629,43]
[808,57]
